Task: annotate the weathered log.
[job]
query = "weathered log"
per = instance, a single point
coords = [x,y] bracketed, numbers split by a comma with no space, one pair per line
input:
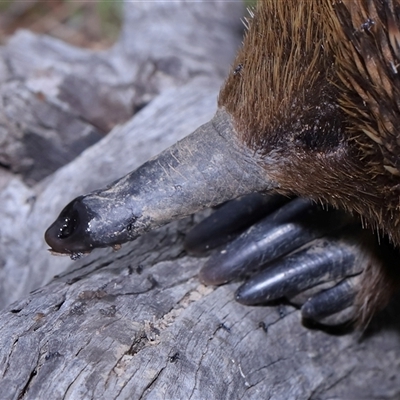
[137,323]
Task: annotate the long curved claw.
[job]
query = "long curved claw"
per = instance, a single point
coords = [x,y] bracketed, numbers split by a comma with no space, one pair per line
[282,232]
[334,306]
[230,220]
[325,261]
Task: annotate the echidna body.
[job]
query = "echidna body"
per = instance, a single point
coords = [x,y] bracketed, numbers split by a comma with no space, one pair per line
[319,85]
[309,109]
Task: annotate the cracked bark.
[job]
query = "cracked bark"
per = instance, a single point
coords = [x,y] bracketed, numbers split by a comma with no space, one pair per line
[137,323]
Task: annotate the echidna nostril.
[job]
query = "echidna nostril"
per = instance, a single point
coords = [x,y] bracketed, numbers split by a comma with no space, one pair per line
[68,233]
[69,226]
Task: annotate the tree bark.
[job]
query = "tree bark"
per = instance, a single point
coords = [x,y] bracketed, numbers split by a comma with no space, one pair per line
[137,323]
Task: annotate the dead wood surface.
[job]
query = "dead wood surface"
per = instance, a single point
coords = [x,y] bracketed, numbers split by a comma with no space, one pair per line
[137,323]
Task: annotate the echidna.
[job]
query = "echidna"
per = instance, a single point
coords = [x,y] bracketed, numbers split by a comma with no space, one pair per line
[309,109]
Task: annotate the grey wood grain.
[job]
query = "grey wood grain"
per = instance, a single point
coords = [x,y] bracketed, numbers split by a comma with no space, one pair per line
[138,324]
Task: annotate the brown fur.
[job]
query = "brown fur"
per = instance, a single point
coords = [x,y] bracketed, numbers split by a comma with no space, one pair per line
[282,63]
[317,98]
